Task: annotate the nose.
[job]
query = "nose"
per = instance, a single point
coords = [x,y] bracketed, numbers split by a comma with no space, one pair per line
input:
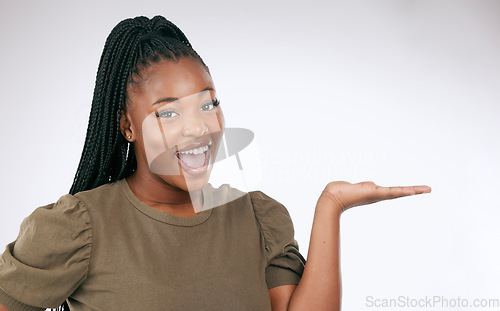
[194,127]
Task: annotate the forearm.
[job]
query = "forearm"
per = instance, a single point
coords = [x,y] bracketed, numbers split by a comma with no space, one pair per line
[2,308]
[320,286]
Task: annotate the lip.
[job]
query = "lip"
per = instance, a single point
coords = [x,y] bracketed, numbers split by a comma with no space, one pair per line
[195,145]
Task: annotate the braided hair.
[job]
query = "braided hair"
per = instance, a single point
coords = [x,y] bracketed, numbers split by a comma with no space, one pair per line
[133,45]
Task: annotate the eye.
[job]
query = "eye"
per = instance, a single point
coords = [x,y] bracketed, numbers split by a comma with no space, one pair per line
[210,106]
[166,114]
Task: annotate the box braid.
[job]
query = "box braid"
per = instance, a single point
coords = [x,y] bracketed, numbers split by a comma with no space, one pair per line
[133,45]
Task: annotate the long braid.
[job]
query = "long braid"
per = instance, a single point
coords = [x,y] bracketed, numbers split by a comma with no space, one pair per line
[132,45]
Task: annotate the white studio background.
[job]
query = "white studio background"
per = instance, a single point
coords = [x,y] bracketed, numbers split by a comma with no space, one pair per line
[400,92]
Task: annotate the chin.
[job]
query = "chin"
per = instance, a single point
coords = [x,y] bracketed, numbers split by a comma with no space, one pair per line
[196,183]
[187,182]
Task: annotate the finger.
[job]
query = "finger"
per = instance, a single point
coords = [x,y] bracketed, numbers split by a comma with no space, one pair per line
[422,189]
[396,192]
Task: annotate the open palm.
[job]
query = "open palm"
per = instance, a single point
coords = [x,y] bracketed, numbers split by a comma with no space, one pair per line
[346,195]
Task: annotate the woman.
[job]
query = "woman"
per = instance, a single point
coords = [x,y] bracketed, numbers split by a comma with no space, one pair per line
[139,229]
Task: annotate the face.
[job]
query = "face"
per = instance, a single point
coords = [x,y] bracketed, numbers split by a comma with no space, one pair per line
[175,123]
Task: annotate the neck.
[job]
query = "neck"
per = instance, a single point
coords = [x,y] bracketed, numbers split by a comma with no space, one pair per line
[160,195]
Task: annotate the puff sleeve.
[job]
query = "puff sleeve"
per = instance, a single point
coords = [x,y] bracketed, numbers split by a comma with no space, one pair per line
[285,264]
[50,257]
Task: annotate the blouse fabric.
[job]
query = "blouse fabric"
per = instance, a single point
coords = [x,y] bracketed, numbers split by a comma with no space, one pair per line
[104,249]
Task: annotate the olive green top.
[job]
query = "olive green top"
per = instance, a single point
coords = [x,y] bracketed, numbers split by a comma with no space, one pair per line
[104,249]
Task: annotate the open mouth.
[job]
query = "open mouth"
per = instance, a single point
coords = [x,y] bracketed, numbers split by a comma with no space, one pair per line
[195,161]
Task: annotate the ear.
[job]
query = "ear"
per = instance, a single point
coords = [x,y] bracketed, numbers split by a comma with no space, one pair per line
[126,126]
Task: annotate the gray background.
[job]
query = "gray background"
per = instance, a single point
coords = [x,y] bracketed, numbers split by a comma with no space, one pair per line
[396,91]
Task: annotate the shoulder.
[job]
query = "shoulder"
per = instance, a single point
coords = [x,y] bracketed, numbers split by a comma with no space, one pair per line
[62,226]
[274,220]
[270,211]
[51,254]
[103,193]
[53,231]
[67,213]
[261,202]
[222,195]
[263,205]
[285,263]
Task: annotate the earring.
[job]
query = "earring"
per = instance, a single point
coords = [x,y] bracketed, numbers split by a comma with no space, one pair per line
[128,152]
[129,137]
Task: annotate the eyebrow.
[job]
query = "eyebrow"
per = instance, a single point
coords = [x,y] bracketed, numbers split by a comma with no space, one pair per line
[171,99]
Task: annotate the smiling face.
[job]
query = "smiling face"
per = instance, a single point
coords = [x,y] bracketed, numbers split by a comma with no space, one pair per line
[175,123]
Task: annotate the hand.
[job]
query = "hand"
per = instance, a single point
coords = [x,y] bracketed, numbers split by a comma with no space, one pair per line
[346,195]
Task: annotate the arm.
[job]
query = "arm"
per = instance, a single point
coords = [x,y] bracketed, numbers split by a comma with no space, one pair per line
[2,308]
[320,285]
[280,297]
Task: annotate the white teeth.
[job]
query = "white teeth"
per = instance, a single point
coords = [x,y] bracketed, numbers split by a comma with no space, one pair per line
[196,151]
